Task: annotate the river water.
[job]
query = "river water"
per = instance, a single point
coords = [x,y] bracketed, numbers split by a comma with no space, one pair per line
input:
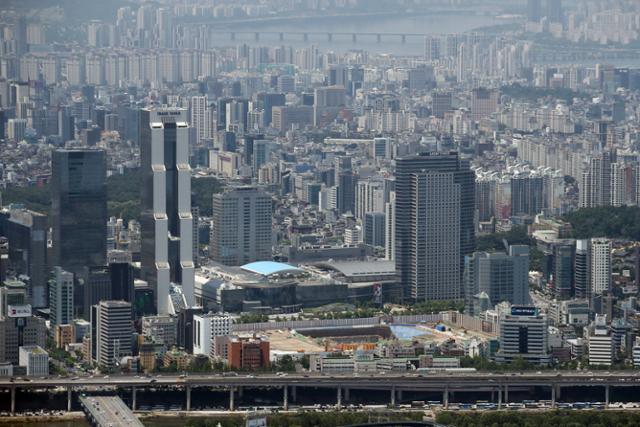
[441,23]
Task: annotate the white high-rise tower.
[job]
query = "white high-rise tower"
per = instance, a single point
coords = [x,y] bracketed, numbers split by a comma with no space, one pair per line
[166,220]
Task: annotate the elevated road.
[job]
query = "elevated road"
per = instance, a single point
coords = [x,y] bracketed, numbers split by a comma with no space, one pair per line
[108,411]
[393,382]
[414,381]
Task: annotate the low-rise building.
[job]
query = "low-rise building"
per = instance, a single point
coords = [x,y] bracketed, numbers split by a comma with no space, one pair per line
[180,358]
[249,353]
[600,343]
[35,360]
[160,329]
[206,327]
[148,358]
[63,335]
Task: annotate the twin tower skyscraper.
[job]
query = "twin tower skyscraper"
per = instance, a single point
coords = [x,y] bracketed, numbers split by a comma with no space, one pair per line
[166,220]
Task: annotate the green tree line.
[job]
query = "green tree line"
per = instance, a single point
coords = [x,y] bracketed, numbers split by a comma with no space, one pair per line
[606,221]
[539,419]
[309,419]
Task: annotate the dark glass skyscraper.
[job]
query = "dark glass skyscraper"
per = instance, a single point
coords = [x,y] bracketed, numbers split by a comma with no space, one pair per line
[434,205]
[79,208]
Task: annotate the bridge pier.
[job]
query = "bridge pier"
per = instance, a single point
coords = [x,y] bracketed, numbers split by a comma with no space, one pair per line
[285,398]
[553,396]
[281,36]
[306,37]
[188,389]
[606,396]
[13,400]
[499,397]
[339,398]
[233,36]
[445,397]
[294,393]
[347,394]
[329,37]
[506,393]
[69,390]
[393,396]
[256,36]
[232,403]
[134,400]
[379,38]
[399,395]
[240,392]
[558,392]
[354,38]
[404,38]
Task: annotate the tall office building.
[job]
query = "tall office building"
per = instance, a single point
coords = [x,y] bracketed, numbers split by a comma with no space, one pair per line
[166,222]
[374,229]
[369,197]
[503,277]
[600,339]
[266,102]
[236,115]
[16,129]
[595,184]
[27,234]
[432,48]
[345,180]
[441,102]
[553,10]
[79,208]
[60,298]
[486,197]
[484,102]
[121,280]
[581,279]
[200,118]
[534,10]
[563,270]
[97,287]
[66,123]
[390,228]
[241,229]
[103,283]
[328,101]
[526,194]
[524,334]
[600,265]
[20,329]
[114,332]
[434,224]
[12,292]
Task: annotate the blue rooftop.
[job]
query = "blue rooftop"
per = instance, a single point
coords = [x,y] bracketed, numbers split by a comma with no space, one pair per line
[267,268]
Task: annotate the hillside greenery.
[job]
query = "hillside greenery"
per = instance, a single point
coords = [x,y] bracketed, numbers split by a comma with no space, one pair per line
[606,221]
[495,242]
[534,94]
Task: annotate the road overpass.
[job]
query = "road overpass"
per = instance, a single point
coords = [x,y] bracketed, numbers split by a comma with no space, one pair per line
[108,411]
[393,382]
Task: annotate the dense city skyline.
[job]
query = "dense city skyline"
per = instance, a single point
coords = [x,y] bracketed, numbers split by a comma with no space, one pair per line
[279,195]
